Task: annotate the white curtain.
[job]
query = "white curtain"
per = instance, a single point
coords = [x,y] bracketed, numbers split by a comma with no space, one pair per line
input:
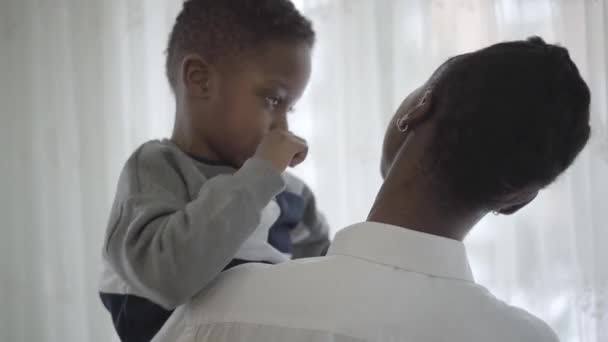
[82,85]
[551,259]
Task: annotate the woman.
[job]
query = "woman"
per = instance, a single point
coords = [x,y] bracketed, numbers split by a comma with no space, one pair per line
[485,134]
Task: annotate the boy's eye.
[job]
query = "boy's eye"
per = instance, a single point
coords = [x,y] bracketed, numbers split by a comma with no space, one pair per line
[273,101]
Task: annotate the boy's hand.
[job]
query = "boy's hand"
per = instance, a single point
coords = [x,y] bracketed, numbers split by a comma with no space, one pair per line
[282,148]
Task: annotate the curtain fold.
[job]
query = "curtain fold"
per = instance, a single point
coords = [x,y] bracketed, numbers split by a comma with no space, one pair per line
[83,85]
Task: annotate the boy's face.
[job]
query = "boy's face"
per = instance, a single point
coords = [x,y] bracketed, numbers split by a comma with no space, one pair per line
[249,96]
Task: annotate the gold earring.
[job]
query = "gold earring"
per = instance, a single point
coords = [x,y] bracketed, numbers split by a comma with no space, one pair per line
[401,127]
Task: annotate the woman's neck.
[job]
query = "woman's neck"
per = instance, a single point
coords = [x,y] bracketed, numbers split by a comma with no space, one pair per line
[413,206]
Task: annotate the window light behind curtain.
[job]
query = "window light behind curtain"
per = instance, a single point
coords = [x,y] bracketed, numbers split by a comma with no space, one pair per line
[83,85]
[551,258]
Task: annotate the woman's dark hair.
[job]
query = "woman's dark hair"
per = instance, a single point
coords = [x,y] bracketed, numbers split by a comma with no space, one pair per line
[510,117]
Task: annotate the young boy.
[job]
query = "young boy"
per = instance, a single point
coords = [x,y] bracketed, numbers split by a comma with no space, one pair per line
[214,195]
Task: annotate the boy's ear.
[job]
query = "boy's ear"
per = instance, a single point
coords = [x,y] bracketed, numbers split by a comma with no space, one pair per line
[196,74]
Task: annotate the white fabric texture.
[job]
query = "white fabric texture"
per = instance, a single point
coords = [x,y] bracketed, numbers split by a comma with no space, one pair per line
[83,85]
[388,284]
[257,247]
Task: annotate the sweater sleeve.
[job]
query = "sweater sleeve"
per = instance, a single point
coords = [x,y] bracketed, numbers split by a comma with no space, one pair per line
[169,249]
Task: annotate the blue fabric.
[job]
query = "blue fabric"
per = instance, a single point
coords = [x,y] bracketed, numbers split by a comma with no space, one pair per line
[135,319]
[209,161]
[292,211]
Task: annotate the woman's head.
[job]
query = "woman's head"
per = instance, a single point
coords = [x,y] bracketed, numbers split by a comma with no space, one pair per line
[496,125]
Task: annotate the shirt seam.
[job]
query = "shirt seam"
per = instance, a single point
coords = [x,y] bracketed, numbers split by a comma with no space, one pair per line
[403,268]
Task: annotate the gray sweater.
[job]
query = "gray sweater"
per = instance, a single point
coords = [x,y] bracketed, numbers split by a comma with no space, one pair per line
[177,222]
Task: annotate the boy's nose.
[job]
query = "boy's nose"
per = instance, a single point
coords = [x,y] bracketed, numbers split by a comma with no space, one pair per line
[280,122]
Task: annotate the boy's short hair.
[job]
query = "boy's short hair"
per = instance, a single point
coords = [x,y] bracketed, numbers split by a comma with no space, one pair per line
[214,28]
[512,116]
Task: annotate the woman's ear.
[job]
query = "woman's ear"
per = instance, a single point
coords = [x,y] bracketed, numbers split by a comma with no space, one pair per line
[418,113]
[196,75]
[517,202]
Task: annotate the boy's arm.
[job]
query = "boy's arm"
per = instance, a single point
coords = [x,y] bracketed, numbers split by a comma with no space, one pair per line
[167,249]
